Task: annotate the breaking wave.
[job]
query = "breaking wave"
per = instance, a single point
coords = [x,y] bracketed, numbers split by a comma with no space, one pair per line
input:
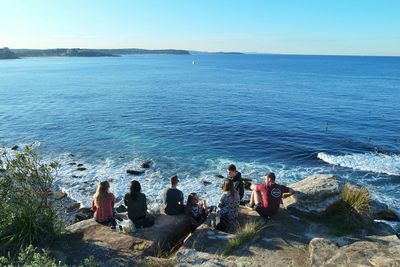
[368,162]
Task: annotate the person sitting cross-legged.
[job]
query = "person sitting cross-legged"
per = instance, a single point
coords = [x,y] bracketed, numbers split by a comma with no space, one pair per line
[136,202]
[173,198]
[266,198]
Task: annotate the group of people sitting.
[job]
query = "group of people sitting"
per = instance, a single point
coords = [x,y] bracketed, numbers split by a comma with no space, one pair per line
[265,198]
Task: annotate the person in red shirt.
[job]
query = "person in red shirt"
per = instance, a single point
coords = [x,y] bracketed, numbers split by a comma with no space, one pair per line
[266,198]
[103,204]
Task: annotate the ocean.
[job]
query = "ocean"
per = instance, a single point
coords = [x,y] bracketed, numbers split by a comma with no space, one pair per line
[293,115]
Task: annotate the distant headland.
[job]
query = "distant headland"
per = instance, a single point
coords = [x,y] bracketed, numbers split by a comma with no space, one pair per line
[7,53]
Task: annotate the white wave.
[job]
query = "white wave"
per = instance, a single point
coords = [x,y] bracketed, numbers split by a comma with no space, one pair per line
[369,162]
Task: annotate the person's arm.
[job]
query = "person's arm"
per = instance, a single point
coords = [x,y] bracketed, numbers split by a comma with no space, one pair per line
[181,199]
[165,196]
[94,208]
[289,192]
[112,200]
[145,204]
[126,200]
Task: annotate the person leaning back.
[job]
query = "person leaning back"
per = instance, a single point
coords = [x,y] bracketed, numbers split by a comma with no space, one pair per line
[266,198]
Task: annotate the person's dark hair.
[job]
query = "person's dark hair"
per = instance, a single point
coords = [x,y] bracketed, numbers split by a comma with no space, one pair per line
[135,189]
[173,179]
[228,186]
[189,201]
[271,176]
[231,167]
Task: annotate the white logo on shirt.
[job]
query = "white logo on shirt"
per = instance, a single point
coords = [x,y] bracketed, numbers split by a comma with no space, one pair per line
[276,192]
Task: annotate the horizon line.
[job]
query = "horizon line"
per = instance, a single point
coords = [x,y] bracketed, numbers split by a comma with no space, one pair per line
[212,52]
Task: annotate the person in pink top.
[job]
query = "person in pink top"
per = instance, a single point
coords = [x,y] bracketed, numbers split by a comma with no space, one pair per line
[266,198]
[103,204]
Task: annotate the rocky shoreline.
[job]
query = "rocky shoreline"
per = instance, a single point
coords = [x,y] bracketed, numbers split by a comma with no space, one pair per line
[297,236]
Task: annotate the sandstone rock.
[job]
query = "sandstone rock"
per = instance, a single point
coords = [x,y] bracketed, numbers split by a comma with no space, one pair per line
[88,238]
[369,251]
[315,195]
[135,172]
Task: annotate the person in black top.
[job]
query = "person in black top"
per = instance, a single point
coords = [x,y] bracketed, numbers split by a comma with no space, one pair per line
[236,178]
[137,206]
[173,198]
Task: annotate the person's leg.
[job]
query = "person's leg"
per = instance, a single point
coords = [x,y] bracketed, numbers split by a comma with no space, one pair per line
[252,203]
[257,198]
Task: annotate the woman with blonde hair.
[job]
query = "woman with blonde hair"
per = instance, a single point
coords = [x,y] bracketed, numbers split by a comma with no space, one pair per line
[103,204]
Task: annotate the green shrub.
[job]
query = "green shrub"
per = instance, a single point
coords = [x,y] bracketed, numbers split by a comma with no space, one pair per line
[26,214]
[355,206]
[353,211]
[243,235]
[32,257]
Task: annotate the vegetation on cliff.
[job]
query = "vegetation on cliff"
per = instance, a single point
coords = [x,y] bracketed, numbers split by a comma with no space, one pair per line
[26,214]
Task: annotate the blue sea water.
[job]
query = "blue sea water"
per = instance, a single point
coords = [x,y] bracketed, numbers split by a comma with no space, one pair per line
[294,115]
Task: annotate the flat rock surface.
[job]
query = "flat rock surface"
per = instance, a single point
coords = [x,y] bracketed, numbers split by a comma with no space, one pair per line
[290,241]
[315,195]
[111,248]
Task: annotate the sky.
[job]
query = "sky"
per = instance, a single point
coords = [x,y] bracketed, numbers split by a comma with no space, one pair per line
[335,27]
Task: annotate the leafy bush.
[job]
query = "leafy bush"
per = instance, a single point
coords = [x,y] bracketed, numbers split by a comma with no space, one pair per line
[33,257]
[26,214]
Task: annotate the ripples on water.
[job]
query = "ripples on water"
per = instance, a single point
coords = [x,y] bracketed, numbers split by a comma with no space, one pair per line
[294,115]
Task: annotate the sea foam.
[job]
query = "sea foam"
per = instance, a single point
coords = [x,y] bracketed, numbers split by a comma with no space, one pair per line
[368,162]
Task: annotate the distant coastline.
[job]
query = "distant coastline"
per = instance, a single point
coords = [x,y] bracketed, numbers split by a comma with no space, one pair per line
[7,53]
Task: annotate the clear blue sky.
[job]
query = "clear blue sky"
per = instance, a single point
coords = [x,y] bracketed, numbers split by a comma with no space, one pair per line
[361,27]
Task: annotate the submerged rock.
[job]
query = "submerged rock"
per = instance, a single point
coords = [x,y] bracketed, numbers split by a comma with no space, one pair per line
[219,176]
[314,196]
[80,165]
[147,164]
[381,211]
[73,207]
[59,195]
[81,169]
[15,147]
[72,163]
[135,172]
[206,182]
[83,214]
